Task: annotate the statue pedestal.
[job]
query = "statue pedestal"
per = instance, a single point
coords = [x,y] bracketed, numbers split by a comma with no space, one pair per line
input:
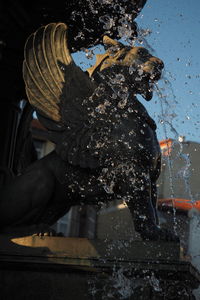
[78,268]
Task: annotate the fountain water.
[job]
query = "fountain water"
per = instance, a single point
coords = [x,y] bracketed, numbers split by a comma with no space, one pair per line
[125,269]
[166,118]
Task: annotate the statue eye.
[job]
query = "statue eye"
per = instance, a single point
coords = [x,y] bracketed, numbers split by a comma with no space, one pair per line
[143,52]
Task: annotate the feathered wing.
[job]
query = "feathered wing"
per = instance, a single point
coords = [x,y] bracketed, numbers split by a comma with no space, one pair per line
[48,67]
[56,88]
[42,75]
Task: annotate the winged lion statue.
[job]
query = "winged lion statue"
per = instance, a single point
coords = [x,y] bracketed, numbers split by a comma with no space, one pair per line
[106,144]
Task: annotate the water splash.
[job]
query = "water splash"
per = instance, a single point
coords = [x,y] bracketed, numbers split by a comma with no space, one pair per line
[164,119]
[185,172]
[167,100]
[123,285]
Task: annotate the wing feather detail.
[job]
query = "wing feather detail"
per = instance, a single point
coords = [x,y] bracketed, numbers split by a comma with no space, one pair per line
[60,91]
[44,53]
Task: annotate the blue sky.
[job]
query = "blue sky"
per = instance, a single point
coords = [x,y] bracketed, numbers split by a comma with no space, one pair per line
[175,38]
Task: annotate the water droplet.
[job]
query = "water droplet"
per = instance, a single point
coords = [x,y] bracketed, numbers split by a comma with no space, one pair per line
[130,110]
[142,131]
[141,146]
[121,104]
[108,22]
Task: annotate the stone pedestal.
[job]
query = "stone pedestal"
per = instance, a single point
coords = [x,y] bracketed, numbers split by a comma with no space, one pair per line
[77,268]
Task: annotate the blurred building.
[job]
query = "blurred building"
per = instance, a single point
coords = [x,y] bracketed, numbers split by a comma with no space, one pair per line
[179,195]
[180,170]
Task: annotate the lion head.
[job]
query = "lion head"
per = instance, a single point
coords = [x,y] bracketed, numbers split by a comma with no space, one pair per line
[139,69]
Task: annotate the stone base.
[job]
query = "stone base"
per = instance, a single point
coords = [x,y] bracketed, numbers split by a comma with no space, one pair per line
[77,268]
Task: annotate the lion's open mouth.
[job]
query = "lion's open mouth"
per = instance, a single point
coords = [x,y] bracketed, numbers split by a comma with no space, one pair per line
[147,84]
[146,87]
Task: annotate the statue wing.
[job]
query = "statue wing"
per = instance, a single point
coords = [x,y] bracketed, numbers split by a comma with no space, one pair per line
[49,71]
[56,88]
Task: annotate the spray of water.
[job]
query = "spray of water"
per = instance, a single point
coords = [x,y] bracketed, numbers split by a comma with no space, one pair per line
[166,116]
[120,282]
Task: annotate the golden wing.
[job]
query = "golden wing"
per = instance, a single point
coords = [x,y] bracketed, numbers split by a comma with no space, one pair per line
[57,88]
[48,67]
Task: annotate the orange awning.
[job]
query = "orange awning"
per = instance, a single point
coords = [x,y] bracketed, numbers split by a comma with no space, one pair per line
[179,203]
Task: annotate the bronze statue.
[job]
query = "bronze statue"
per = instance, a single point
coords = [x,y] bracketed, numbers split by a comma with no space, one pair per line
[106,144]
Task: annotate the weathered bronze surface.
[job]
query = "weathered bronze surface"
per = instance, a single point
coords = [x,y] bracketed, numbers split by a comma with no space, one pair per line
[106,144]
